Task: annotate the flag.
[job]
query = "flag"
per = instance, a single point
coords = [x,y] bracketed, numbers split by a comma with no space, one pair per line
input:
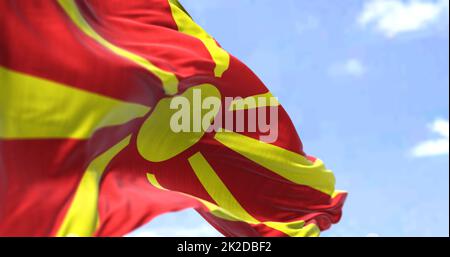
[99,133]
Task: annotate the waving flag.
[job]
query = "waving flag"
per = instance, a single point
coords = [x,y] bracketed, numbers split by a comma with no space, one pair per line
[86,142]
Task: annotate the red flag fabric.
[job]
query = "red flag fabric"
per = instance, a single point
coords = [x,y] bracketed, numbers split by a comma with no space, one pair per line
[87,146]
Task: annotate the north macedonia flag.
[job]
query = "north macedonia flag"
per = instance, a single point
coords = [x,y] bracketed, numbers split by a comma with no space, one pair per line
[88,145]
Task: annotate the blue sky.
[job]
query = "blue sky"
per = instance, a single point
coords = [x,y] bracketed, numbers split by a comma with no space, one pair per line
[366,84]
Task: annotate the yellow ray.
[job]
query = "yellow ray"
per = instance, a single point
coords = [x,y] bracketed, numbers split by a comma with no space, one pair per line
[228,208]
[188,26]
[168,79]
[252,102]
[32,107]
[214,209]
[295,228]
[217,189]
[81,218]
[287,164]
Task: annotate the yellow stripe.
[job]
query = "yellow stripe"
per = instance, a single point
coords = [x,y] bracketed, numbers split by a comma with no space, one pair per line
[82,217]
[188,26]
[214,209]
[168,79]
[32,107]
[230,208]
[287,164]
[256,101]
[152,179]
[337,193]
[293,229]
[217,189]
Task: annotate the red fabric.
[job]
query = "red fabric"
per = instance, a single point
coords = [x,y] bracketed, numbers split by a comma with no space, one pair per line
[38,178]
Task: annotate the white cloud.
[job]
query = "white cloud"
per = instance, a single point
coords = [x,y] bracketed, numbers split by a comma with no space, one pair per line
[392,17]
[351,67]
[435,147]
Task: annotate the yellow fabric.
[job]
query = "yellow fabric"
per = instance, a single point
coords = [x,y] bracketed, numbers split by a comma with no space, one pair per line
[287,164]
[296,228]
[157,131]
[82,217]
[293,229]
[256,101]
[188,26]
[32,107]
[217,189]
[337,193]
[152,179]
[168,79]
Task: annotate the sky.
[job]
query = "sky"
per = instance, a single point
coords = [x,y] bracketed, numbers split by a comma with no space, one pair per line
[366,83]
